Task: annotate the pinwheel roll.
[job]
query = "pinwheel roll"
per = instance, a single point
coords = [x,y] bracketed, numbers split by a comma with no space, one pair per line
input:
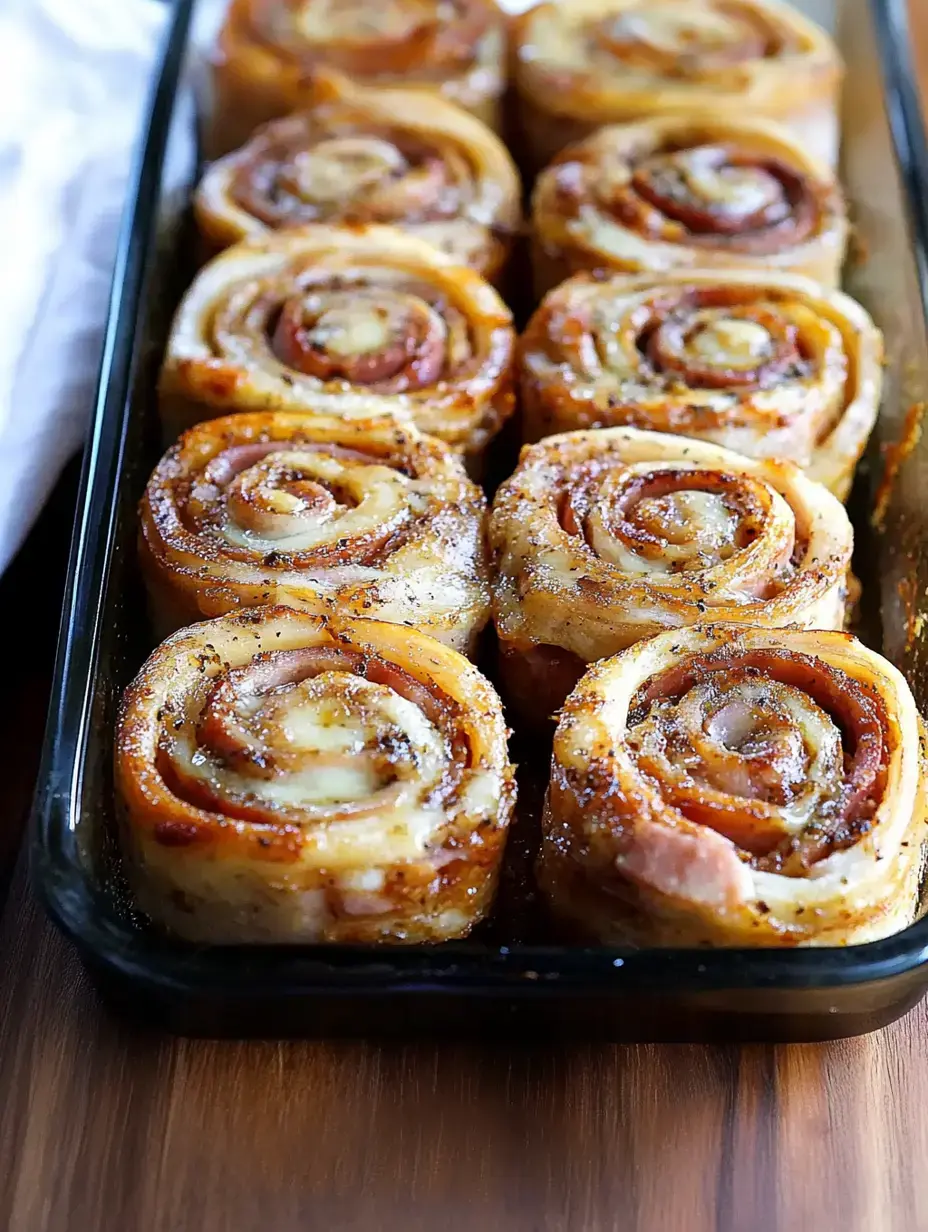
[284,778]
[371,156]
[688,192]
[328,516]
[727,786]
[581,65]
[604,538]
[772,365]
[272,53]
[356,323]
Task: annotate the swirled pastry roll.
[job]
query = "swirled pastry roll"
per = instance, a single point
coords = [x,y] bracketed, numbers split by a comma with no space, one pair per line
[271,53]
[688,192]
[593,62]
[284,778]
[771,365]
[604,538]
[328,516]
[371,156]
[727,786]
[355,323]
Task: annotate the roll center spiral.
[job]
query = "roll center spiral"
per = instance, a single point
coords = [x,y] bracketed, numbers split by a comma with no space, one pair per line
[722,347]
[294,176]
[320,727]
[756,744]
[710,188]
[362,337]
[274,497]
[671,521]
[759,739]
[298,499]
[340,166]
[680,517]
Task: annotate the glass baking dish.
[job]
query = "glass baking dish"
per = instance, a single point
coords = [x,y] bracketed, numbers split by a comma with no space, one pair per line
[506,979]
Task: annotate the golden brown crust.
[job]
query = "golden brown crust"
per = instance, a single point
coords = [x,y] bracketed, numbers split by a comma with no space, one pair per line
[371,156]
[695,192]
[330,517]
[581,65]
[603,538]
[284,778]
[358,323]
[770,365]
[728,786]
[272,56]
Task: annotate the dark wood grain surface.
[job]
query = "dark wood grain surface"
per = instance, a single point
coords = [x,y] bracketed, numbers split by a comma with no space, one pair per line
[104,1128]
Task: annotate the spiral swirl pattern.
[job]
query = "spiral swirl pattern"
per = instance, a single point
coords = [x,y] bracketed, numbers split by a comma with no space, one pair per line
[605,538]
[596,62]
[322,515]
[677,192]
[285,778]
[371,156]
[772,366]
[273,54]
[361,323]
[735,786]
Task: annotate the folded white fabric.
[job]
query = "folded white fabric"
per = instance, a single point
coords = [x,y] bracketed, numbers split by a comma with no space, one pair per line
[74,80]
[75,77]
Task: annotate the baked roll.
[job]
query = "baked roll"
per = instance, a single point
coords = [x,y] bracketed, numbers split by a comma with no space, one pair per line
[354,323]
[284,778]
[772,365]
[271,54]
[728,786]
[604,538]
[581,65]
[329,516]
[688,192]
[371,156]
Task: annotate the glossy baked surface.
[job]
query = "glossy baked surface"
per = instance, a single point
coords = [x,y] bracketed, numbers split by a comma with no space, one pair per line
[593,62]
[738,787]
[328,516]
[371,156]
[356,322]
[272,55]
[607,537]
[282,777]
[694,192]
[771,365]
[894,305]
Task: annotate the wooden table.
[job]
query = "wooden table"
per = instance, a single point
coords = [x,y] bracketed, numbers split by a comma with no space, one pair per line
[107,1129]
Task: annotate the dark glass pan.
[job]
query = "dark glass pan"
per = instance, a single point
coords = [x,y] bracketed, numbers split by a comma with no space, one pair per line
[507,979]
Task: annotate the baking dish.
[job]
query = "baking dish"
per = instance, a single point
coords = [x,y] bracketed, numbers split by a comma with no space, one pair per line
[508,978]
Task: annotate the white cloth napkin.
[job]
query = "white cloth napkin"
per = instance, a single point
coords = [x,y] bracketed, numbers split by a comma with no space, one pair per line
[74,80]
[75,77]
